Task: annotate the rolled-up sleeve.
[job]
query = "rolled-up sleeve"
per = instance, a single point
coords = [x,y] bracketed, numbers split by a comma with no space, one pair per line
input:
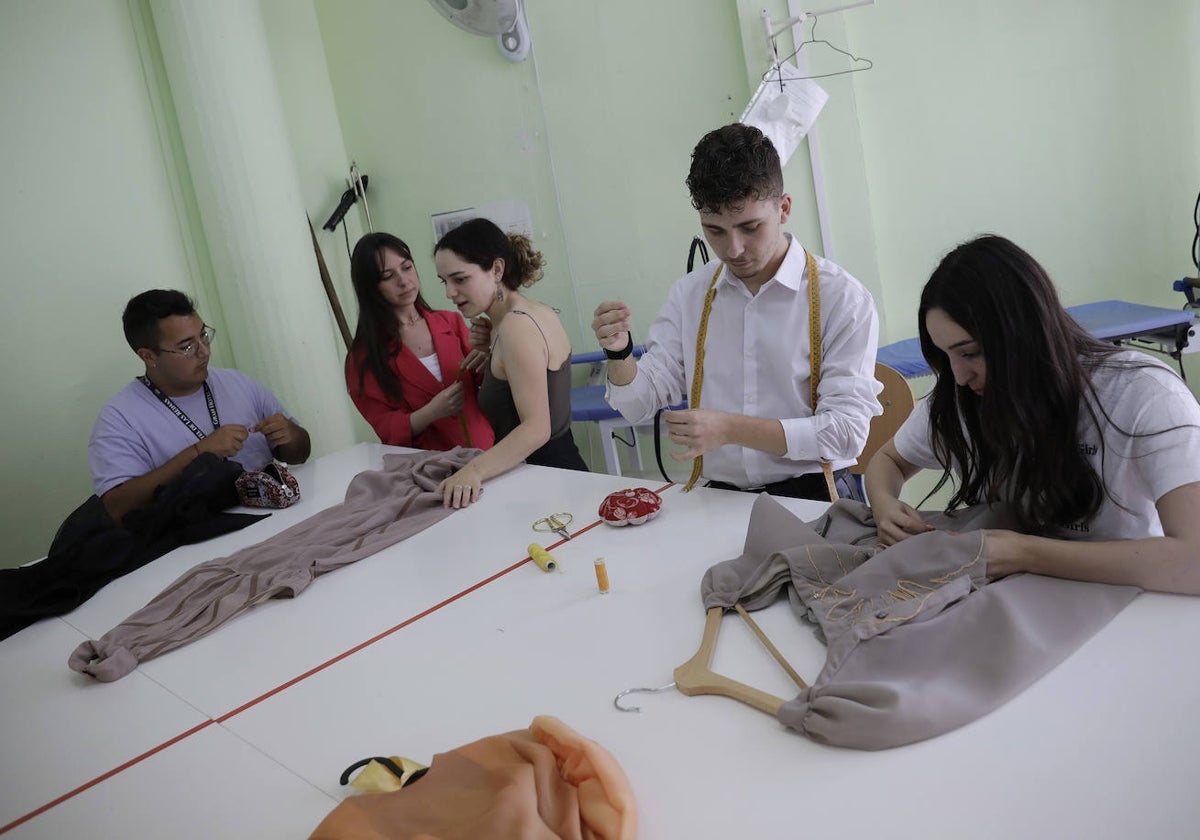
[847,394]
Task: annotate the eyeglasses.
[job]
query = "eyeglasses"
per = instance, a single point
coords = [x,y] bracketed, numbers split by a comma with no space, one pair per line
[190,351]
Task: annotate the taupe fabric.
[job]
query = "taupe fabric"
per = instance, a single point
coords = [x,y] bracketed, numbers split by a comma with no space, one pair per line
[381,508]
[918,642]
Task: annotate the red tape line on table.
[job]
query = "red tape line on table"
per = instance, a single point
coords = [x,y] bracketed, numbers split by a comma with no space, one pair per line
[103,776]
[154,750]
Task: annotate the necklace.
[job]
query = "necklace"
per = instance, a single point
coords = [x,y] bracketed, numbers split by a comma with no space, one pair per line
[404,323]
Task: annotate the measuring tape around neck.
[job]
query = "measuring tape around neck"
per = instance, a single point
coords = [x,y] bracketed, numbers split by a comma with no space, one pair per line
[814,352]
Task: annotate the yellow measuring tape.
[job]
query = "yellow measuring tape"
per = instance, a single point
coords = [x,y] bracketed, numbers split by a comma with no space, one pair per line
[814,355]
[814,352]
[698,377]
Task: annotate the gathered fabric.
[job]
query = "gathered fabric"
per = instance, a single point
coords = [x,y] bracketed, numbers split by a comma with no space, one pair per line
[90,550]
[918,642]
[547,781]
[381,508]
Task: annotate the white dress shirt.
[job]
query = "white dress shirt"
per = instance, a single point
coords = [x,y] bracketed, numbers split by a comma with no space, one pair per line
[757,364]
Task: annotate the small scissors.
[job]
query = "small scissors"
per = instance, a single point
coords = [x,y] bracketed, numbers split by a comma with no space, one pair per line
[555,523]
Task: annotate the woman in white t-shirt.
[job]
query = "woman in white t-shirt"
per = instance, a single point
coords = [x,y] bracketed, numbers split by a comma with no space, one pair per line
[1095,449]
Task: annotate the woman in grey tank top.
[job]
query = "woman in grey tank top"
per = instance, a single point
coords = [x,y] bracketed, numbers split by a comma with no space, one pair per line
[526,390]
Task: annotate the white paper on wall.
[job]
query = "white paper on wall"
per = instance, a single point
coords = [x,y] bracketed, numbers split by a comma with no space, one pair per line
[510,216]
[784,108]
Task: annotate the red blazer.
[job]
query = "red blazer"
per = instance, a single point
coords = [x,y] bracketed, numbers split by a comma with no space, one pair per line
[391,420]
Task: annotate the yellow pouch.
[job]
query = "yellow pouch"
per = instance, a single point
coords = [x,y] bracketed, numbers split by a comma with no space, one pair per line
[382,775]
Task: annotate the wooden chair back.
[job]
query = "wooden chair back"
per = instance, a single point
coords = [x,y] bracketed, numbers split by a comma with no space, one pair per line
[897,401]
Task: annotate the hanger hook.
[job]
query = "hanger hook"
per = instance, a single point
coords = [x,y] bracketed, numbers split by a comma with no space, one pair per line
[617,699]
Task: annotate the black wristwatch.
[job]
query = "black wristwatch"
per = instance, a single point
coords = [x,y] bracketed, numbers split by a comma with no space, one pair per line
[623,353]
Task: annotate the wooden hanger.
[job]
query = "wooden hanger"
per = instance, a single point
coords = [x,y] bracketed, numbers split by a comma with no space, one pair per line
[695,676]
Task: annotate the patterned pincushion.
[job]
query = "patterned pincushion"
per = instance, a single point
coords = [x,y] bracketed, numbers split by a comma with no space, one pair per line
[632,506]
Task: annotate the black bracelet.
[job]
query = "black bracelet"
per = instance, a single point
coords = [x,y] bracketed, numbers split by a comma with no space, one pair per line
[624,353]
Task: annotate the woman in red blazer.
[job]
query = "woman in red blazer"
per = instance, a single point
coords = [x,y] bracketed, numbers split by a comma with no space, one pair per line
[410,371]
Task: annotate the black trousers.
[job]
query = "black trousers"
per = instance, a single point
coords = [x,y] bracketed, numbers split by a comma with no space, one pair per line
[807,486]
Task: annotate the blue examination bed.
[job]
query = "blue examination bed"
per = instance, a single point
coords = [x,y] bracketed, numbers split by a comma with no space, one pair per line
[1110,320]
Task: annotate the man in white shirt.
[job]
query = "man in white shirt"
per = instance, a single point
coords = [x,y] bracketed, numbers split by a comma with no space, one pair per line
[754,425]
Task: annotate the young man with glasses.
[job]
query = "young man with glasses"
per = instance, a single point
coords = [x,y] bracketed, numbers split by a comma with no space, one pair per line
[160,422]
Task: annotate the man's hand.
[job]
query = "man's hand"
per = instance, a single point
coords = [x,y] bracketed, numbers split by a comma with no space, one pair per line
[289,441]
[277,429]
[698,430]
[611,324]
[226,441]
[480,337]
[897,522]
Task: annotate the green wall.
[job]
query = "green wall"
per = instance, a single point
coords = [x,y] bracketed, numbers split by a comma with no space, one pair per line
[593,132]
[1068,125]
[88,219]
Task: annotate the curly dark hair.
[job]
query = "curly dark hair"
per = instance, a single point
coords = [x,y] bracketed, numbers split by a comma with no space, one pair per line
[481,242]
[732,165]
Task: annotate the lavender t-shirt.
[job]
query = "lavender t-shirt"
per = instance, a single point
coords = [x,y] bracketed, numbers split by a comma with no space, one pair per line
[135,433]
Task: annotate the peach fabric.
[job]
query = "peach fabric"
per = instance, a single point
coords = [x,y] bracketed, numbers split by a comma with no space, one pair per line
[606,802]
[547,781]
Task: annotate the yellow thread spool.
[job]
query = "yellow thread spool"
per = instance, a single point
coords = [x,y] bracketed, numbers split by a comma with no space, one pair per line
[542,557]
[601,575]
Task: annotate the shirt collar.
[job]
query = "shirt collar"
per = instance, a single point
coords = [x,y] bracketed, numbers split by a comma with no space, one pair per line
[791,271]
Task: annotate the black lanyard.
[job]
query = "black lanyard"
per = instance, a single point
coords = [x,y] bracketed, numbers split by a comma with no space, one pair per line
[178,412]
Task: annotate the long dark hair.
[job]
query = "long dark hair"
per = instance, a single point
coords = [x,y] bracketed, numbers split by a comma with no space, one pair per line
[1019,441]
[481,242]
[377,328]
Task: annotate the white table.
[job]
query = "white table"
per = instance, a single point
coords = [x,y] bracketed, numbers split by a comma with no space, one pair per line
[1101,747]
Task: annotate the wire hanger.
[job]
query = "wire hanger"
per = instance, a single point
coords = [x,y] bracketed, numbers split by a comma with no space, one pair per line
[812,39]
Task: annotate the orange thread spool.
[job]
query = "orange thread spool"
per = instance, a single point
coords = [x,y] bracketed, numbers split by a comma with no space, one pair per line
[601,575]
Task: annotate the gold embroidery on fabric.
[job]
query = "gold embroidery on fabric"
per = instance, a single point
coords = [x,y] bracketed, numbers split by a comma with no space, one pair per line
[953,574]
[849,611]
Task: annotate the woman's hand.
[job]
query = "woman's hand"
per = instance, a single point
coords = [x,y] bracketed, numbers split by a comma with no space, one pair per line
[897,521]
[461,489]
[474,360]
[1005,552]
[480,335]
[448,401]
